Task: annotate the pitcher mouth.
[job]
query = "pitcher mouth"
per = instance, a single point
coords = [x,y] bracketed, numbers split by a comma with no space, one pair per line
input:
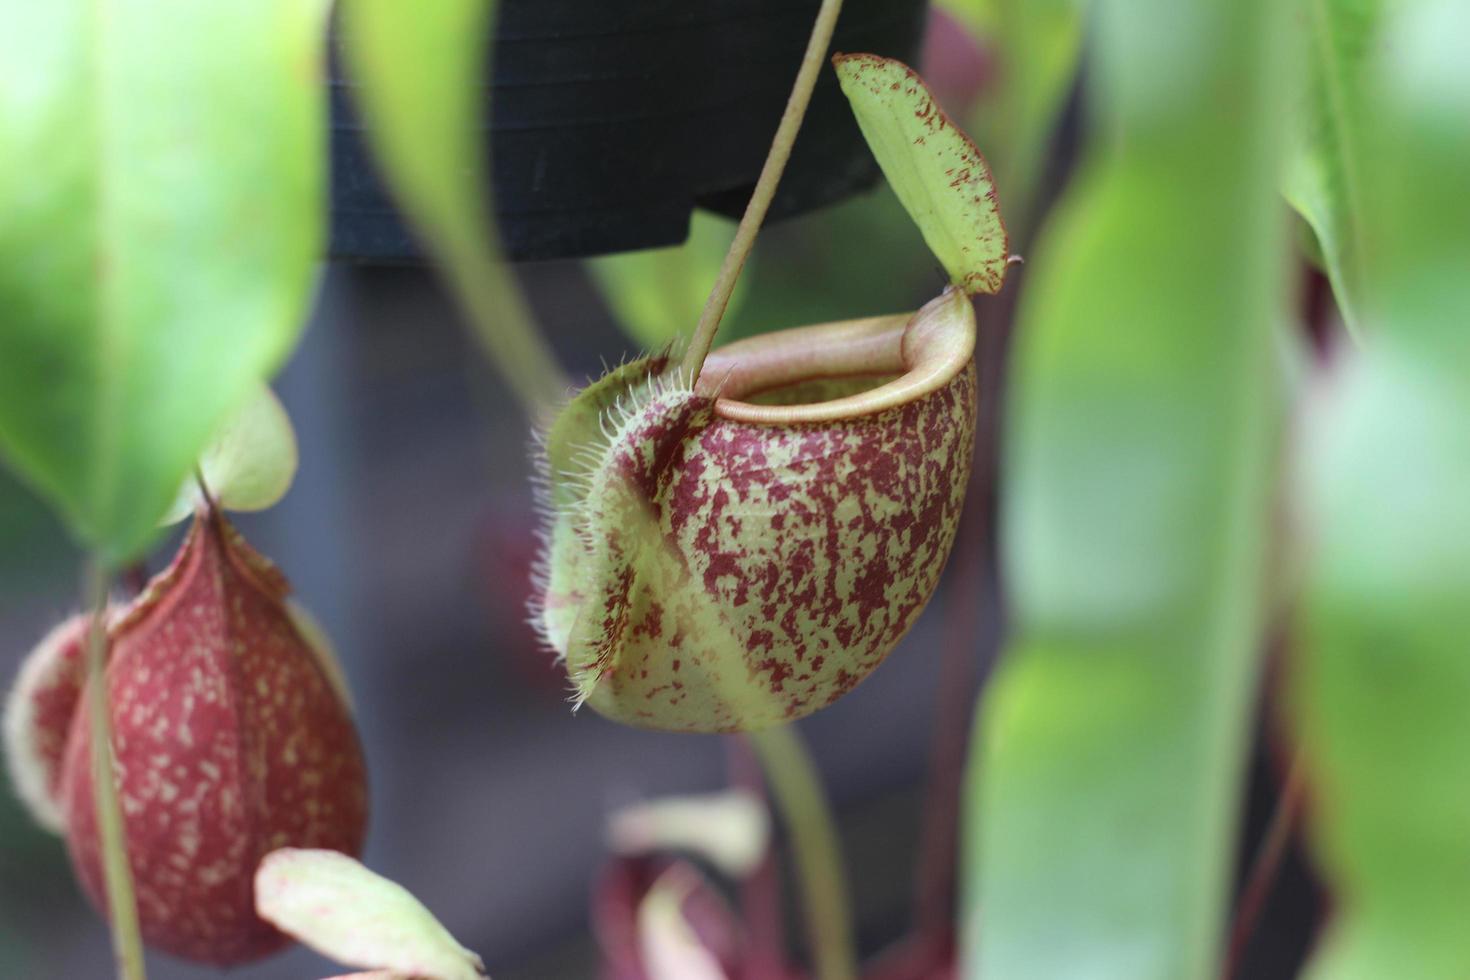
[925,349]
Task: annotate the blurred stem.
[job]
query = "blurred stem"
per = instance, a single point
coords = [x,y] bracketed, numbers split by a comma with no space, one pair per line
[506,330]
[127,943]
[203,486]
[797,792]
[765,188]
[423,133]
[760,892]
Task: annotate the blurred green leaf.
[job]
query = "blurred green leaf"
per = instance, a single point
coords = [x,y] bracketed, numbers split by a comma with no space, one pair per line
[657,294]
[1382,688]
[933,167]
[981,18]
[419,70]
[1146,402]
[1326,170]
[344,911]
[1037,46]
[160,214]
[250,462]
[1385,679]
[1418,207]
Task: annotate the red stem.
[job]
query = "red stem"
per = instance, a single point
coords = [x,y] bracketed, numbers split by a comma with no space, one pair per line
[935,884]
[1265,866]
[760,892]
[972,579]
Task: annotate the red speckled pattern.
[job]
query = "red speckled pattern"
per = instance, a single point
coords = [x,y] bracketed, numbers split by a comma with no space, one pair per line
[957,211]
[230,742]
[789,562]
[38,717]
[727,576]
[54,702]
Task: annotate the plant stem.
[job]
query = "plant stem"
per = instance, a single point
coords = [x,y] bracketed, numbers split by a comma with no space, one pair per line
[505,328]
[797,792]
[760,892]
[122,913]
[203,486]
[765,189]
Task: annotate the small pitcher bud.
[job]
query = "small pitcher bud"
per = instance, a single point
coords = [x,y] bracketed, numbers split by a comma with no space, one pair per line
[741,552]
[232,737]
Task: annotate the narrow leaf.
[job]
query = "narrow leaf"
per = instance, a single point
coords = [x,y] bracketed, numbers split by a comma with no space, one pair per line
[1144,407]
[346,912]
[1327,170]
[431,158]
[1382,687]
[250,463]
[419,70]
[160,216]
[938,174]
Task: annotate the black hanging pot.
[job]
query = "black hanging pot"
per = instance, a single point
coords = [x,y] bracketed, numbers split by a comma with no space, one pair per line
[609,120]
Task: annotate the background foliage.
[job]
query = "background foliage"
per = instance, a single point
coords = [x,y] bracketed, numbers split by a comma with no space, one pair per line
[146,284]
[1145,397]
[1180,468]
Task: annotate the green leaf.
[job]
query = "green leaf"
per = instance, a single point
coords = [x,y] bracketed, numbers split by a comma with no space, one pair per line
[346,912]
[938,174]
[250,463]
[658,294]
[1385,679]
[431,157]
[160,216]
[1145,405]
[419,71]
[1419,205]
[1037,46]
[1381,689]
[1327,170]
